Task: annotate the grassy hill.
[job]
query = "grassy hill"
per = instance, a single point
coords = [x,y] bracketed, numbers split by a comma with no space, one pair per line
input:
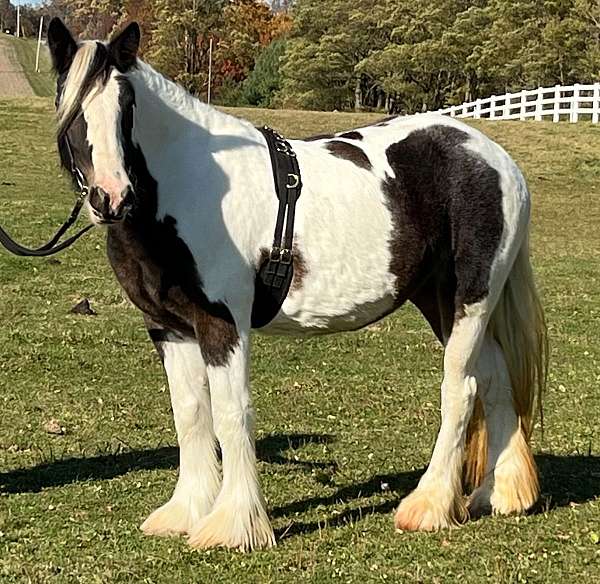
[42,82]
[345,424]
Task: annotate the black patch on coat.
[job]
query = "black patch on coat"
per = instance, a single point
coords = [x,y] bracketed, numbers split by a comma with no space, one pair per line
[349,152]
[80,149]
[353,135]
[160,335]
[446,205]
[318,137]
[158,271]
[152,263]
[385,121]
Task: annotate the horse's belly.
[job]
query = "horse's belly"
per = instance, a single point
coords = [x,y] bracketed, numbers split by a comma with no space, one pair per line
[327,303]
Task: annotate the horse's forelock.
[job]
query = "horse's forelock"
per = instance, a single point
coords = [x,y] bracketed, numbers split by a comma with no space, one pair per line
[89,65]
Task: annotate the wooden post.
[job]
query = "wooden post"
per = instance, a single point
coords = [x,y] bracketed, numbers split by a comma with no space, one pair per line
[573,117]
[556,114]
[596,103]
[210,49]
[492,107]
[506,108]
[523,109]
[18,20]
[538,105]
[477,112]
[39,44]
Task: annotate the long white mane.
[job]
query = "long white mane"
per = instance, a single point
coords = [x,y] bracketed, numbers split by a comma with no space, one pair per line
[78,73]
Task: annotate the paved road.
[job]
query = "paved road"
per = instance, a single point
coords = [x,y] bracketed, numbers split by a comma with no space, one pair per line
[13,82]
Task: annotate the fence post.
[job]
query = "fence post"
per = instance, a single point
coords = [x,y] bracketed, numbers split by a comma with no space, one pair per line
[573,117]
[453,111]
[523,109]
[477,112]
[506,109]
[492,107]
[538,105]
[463,112]
[596,103]
[556,110]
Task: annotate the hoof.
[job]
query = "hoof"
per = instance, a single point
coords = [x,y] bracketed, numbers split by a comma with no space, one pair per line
[479,502]
[241,529]
[426,511]
[516,484]
[176,517]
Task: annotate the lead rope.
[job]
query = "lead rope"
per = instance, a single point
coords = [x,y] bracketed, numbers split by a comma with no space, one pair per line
[51,247]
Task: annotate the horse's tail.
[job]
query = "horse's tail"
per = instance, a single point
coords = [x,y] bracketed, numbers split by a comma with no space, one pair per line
[519,327]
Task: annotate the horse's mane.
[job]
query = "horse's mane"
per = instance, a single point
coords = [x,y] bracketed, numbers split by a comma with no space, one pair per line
[88,67]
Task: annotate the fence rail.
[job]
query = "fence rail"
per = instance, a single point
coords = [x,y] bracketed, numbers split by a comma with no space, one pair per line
[573,103]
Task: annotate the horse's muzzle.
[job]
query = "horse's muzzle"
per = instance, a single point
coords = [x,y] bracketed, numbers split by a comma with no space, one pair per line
[105,210]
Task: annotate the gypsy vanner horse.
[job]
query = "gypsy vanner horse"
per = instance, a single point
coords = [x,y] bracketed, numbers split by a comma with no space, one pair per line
[420,208]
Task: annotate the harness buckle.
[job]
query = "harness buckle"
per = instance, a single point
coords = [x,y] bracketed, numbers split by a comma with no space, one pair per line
[285,256]
[275,254]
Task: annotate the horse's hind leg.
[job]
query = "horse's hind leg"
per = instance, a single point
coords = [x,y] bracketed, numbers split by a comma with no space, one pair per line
[437,501]
[199,474]
[510,483]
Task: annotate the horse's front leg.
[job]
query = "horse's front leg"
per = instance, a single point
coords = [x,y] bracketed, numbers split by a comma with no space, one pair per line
[239,517]
[199,472]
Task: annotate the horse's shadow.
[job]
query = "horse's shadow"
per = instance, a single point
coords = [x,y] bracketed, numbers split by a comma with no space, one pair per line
[565,479]
[58,473]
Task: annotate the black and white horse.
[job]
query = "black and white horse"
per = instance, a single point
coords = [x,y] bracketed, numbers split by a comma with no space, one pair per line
[421,208]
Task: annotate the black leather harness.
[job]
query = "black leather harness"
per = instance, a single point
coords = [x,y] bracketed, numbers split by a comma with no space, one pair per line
[274,275]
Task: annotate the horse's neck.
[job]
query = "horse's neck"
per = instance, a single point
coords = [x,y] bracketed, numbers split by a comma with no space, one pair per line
[167,117]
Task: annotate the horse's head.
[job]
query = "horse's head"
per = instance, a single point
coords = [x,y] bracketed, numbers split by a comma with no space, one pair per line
[95,102]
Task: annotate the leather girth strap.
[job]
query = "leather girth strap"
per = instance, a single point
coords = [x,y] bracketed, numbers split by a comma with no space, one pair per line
[274,275]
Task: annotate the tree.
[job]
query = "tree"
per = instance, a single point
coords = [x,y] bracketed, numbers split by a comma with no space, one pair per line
[7,15]
[180,39]
[324,50]
[260,87]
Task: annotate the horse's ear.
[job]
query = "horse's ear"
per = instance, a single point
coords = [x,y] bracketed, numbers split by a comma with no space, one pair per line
[124,47]
[62,45]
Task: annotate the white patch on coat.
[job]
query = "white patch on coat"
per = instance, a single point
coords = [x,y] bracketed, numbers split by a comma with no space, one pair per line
[199,470]
[239,516]
[103,117]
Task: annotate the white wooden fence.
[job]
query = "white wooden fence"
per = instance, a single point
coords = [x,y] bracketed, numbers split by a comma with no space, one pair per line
[572,103]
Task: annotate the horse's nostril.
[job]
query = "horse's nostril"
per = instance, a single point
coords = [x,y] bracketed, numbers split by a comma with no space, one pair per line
[103,206]
[128,198]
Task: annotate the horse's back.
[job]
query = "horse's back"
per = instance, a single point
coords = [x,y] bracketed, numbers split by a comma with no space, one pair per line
[384,205]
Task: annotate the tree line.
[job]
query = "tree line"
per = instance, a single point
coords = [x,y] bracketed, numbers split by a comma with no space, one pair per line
[393,55]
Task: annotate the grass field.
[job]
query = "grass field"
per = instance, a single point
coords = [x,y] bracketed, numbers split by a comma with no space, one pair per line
[345,424]
[43,81]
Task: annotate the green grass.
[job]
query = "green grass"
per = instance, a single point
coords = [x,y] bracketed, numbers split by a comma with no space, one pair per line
[337,417]
[43,82]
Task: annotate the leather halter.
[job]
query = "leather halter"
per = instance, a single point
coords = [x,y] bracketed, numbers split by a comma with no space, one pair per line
[52,246]
[275,274]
